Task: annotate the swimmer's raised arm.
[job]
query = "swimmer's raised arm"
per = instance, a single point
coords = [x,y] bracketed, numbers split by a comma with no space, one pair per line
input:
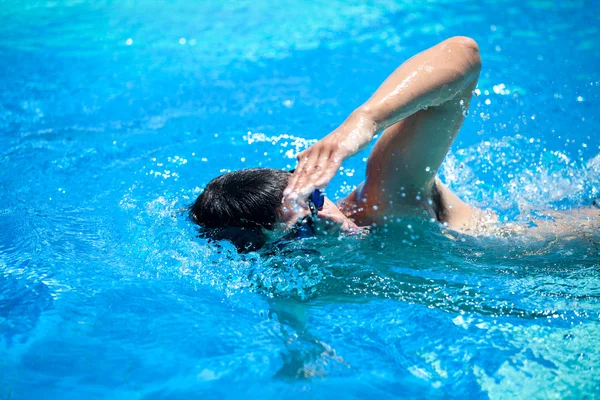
[429,79]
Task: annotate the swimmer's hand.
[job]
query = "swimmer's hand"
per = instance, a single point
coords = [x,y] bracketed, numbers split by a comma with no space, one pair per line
[318,164]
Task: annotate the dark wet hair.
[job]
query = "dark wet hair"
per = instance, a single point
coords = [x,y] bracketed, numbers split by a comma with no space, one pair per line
[239,205]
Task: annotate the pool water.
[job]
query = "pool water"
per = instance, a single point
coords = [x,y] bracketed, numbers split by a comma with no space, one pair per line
[114,115]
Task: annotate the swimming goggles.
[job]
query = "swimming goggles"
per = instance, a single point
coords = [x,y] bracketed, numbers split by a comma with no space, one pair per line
[305,227]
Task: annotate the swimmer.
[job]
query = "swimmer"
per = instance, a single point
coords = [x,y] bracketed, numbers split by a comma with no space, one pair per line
[418,110]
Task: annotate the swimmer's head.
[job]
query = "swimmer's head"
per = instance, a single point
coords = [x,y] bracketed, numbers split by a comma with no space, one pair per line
[247,208]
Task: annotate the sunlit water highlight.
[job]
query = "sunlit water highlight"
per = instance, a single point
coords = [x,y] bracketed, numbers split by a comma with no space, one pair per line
[114,116]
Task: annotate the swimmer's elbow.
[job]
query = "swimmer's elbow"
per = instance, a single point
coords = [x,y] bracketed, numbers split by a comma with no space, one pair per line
[467,50]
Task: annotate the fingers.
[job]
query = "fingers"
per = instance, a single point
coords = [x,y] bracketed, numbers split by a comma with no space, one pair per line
[304,175]
[290,191]
[319,169]
[330,168]
[292,181]
[317,165]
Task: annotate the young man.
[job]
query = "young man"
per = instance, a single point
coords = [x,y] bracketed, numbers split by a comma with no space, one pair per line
[420,108]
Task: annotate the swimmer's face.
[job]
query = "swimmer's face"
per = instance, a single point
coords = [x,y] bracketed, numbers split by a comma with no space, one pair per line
[329,220]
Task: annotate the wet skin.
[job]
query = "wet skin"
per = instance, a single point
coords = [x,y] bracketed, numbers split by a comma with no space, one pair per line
[420,108]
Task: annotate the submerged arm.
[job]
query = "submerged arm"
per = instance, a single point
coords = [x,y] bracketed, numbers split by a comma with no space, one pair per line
[429,79]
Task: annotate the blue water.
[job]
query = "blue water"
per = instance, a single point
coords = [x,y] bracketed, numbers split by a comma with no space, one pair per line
[114,115]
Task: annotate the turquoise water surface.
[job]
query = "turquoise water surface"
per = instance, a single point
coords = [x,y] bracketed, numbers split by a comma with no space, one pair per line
[115,114]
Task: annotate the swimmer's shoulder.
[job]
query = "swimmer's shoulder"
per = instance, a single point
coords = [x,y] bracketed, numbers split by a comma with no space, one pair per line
[445,206]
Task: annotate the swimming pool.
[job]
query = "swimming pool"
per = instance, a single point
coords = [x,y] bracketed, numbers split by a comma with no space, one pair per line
[113,115]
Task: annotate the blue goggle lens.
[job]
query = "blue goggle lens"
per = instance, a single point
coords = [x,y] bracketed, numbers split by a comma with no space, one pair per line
[318,199]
